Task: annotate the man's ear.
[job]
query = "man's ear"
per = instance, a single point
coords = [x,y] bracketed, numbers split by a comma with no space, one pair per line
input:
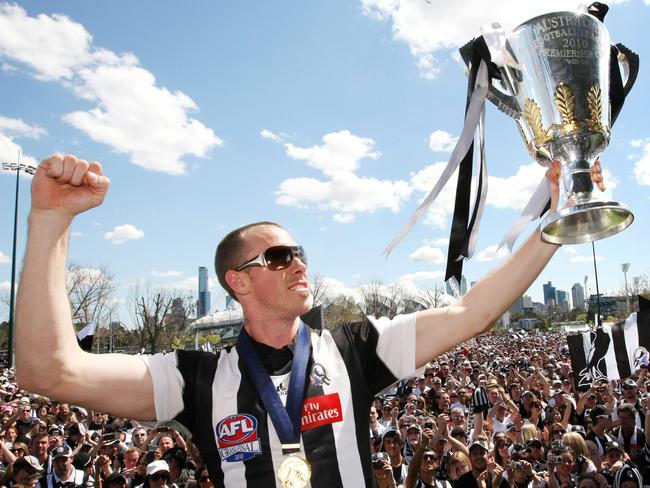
[237,281]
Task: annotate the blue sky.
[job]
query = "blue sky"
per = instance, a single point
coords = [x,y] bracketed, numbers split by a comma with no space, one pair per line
[332,118]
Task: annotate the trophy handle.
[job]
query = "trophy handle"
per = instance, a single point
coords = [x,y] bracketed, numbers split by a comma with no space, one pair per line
[631,59]
[504,101]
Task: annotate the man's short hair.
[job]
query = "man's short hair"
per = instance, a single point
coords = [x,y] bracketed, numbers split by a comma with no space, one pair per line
[626,407]
[229,253]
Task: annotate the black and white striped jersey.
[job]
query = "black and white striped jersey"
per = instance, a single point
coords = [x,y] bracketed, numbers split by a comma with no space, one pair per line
[211,396]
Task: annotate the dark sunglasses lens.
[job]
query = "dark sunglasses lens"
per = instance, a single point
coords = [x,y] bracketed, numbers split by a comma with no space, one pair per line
[279,257]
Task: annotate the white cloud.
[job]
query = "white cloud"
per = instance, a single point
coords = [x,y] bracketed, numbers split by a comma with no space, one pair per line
[428,254]
[132,115]
[585,259]
[441,141]
[569,250]
[515,191]
[433,28]
[267,134]
[423,181]
[9,151]
[342,191]
[422,276]
[439,242]
[122,233]
[16,127]
[4,259]
[340,152]
[76,233]
[642,165]
[343,218]
[491,253]
[5,285]
[166,274]
[347,193]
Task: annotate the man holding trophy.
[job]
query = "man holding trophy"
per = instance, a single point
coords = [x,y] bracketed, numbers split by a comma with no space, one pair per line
[288,405]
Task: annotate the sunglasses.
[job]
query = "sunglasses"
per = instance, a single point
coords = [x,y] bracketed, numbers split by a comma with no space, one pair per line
[203,479]
[276,258]
[430,457]
[558,432]
[159,476]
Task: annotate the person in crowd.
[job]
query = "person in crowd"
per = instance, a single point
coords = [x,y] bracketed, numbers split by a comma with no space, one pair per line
[383,471]
[24,471]
[375,426]
[393,443]
[41,450]
[157,475]
[64,473]
[458,465]
[479,460]
[601,419]
[202,477]
[630,437]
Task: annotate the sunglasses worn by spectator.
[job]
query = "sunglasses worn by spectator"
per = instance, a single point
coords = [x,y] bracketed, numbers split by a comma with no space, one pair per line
[276,258]
[159,476]
[203,479]
[429,457]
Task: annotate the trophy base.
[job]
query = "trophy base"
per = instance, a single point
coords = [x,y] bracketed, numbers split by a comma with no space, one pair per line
[586,222]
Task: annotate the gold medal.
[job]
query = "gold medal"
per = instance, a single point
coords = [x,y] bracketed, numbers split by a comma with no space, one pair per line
[294,472]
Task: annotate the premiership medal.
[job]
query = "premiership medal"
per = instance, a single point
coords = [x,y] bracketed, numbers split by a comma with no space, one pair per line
[294,472]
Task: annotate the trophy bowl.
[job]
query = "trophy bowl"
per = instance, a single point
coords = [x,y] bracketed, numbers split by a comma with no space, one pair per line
[560,87]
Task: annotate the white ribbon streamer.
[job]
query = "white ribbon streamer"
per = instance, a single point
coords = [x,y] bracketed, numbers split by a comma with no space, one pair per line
[532,210]
[477,102]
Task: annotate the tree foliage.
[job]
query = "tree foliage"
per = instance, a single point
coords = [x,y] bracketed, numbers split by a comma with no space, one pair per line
[160,317]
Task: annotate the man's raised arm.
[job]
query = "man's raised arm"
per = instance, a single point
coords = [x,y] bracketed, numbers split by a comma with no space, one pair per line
[48,358]
[438,330]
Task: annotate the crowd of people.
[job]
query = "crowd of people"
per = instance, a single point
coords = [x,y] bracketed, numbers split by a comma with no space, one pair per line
[502,411]
[498,411]
[47,444]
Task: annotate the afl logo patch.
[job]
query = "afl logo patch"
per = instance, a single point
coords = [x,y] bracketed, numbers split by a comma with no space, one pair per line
[237,438]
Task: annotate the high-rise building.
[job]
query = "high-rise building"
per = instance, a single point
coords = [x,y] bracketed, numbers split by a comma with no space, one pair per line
[578,296]
[522,303]
[550,294]
[563,300]
[204,294]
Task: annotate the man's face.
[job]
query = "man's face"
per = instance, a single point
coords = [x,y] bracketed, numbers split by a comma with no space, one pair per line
[612,456]
[443,402]
[25,412]
[493,395]
[139,437]
[627,420]
[429,462]
[61,466]
[630,393]
[22,476]
[131,459]
[285,292]
[392,446]
[413,436]
[41,445]
[165,443]
[373,414]
[479,458]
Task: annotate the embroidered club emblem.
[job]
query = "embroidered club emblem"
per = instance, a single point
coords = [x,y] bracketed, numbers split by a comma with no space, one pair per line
[237,438]
[318,375]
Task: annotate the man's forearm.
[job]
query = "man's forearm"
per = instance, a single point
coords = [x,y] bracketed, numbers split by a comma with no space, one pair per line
[440,329]
[44,333]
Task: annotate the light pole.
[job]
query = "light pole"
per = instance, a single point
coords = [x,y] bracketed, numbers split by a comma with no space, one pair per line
[625,267]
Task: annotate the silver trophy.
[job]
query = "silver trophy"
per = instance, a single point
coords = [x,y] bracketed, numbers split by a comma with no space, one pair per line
[557,87]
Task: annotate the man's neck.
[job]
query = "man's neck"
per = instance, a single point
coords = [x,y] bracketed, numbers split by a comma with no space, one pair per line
[427,477]
[396,461]
[276,333]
